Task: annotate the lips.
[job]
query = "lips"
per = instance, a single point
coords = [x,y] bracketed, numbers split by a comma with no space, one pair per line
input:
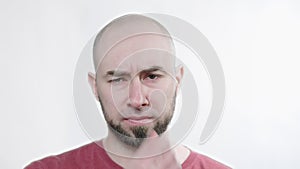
[135,121]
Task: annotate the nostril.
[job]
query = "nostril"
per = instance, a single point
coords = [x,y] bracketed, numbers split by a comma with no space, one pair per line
[139,105]
[142,108]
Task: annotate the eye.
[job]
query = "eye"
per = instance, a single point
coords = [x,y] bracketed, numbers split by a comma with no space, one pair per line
[152,76]
[116,81]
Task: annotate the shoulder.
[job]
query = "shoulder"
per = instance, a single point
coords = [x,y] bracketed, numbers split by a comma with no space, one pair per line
[77,158]
[199,161]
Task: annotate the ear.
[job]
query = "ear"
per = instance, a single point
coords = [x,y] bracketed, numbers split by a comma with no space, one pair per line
[179,75]
[92,82]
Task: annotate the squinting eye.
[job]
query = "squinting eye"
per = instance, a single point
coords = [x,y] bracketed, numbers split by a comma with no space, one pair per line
[118,80]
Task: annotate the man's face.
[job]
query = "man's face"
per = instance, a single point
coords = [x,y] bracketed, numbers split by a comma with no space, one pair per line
[136,85]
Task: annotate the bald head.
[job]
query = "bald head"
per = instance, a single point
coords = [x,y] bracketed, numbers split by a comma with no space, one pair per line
[135,77]
[131,33]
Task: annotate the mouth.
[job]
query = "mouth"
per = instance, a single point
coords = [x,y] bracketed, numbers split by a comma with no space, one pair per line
[138,121]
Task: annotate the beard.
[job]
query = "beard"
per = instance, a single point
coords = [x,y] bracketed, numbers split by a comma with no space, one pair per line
[139,132]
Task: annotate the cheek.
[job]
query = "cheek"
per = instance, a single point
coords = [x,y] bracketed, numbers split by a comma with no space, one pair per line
[110,103]
[105,94]
[161,101]
[114,95]
[107,100]
[168,90]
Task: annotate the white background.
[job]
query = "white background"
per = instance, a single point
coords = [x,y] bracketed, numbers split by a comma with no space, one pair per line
[256,41]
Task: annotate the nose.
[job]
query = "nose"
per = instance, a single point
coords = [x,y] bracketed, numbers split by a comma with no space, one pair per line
[137,97]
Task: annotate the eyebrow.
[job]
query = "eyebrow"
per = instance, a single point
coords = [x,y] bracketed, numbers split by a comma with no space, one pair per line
[116,73]
[119,73]
[153,69]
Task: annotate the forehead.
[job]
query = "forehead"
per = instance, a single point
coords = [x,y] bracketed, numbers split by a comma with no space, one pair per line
[140,51]
[123,41]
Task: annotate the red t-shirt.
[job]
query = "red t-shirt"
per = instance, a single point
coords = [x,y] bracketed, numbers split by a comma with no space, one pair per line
[92,156]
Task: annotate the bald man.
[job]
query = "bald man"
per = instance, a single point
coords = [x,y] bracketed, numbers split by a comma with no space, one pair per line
[136,83]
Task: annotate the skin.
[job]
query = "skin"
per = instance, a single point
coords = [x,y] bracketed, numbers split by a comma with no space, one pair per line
[136,83]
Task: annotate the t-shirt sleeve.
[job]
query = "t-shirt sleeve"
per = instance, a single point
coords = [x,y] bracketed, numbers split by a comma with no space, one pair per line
[199,161]
[47,163]
[34,165]
[85,157]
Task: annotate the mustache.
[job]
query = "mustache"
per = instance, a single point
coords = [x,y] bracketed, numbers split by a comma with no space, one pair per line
[145,112]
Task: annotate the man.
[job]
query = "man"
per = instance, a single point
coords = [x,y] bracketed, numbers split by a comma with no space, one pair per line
[136,83]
